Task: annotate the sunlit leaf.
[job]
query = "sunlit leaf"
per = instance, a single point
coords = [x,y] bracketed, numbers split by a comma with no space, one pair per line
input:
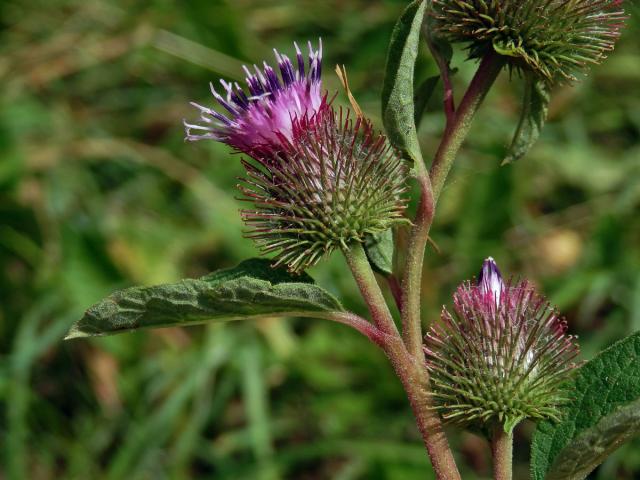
[397,92]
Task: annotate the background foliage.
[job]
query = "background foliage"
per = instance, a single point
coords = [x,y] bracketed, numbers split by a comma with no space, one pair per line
[98,191]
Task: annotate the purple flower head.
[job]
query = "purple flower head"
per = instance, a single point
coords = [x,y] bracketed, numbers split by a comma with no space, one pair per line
[499,360]
[274,112]
[319,180]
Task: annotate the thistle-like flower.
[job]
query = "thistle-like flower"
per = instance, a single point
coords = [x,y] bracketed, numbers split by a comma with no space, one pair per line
[318,179]
[502,357]
[275,108]
[338,182]
[552,38]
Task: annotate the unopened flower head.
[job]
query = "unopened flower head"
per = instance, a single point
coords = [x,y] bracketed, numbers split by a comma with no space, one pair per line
[503,356]
[337,183]
[553,38]
[257,122]
[490,280]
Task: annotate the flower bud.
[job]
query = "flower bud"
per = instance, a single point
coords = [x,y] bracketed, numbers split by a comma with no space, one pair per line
[553,38]
[339,182]
[490,280]
[501,357]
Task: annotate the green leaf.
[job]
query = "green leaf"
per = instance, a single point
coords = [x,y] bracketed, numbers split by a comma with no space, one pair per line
[591,448]
[422,96]
[379,249]
[251,290]
[604,413]
[397,91]
[535,108]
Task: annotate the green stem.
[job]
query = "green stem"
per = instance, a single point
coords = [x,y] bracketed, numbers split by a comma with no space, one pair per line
[415,379]
[410,367]
[430,188]
[412,372]
[369,288]
[502,450]
[458,129]
[412,279]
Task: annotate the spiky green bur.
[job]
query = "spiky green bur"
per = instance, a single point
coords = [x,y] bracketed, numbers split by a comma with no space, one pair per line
[338,183]
[503,356]
[553,38]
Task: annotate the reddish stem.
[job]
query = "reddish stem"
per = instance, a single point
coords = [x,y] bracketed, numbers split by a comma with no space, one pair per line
[396,290]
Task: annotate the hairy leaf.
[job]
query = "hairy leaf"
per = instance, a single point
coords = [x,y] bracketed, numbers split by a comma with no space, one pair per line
[535,107]
[604,413]
[379,249]
[591,448]
[251,290]
[397,91]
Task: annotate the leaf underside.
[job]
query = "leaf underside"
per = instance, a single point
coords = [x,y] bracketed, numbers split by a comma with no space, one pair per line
[604,413]
[251,290]
[535,108]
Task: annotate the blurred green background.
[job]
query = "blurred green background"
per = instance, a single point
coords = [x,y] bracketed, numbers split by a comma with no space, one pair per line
[98,191]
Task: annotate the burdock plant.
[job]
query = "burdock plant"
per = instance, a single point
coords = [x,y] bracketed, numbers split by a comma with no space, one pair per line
[320,178]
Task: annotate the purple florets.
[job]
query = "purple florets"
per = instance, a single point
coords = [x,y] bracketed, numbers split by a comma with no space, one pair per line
[490,280]
[276,108]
